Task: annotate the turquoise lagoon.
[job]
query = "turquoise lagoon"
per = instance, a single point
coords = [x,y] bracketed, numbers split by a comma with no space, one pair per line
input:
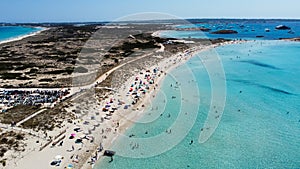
[260,126]
[10,32]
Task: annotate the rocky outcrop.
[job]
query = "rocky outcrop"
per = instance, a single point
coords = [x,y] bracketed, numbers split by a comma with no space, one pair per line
[225,32]
[282,27]
[291,39]
[195,29]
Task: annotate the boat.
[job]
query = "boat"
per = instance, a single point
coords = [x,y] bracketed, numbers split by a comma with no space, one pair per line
[267,30]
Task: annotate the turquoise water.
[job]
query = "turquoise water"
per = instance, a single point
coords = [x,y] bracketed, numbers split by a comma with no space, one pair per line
[260,126]
[9,32]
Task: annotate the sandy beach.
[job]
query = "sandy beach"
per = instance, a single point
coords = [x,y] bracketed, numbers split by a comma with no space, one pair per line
[126,118]
[24,36]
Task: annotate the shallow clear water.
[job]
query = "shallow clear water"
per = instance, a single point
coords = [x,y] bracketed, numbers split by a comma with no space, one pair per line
[9,32]
[260,126]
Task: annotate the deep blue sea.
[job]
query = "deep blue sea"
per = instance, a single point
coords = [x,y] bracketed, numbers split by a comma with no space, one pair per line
[258,128]
[10,32]
[247,29]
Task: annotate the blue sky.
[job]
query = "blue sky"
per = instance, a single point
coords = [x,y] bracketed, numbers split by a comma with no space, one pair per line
[100,10]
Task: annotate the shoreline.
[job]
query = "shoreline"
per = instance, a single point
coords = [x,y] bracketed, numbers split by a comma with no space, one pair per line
[84,151]
[21,37]
[158,33]
[168,64]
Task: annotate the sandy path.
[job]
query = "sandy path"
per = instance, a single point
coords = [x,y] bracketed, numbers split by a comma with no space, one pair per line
[30,117]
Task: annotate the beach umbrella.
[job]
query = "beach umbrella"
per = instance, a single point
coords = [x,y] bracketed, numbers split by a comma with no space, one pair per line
[70,166]
[107,118]
[96,124]
[77,129]
[58,157]
[78,141]
[71,137]
[87,132]
[114,107]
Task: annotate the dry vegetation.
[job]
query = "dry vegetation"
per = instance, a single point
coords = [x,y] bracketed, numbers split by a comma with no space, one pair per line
[10,141]
[49,119]
[17,113]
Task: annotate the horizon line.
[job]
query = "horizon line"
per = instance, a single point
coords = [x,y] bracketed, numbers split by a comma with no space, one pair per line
[191,18]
